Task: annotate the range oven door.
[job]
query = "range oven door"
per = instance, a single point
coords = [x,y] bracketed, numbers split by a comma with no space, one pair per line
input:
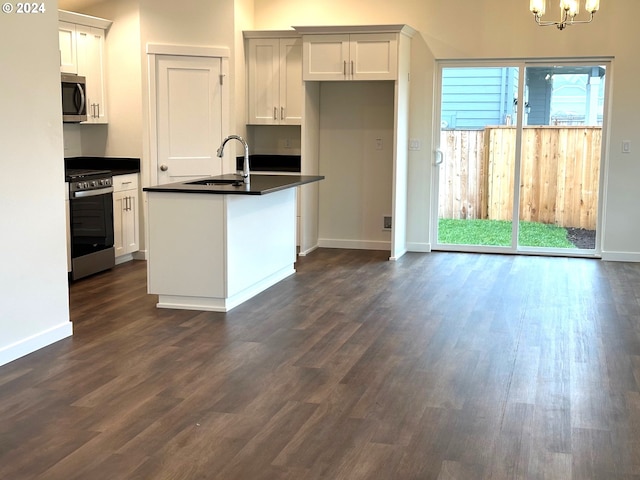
[91,228]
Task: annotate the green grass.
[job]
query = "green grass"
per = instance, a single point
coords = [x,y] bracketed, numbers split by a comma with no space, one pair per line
[498,233]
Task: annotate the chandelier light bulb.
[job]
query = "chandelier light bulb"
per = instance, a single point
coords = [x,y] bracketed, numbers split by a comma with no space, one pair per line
[538,7]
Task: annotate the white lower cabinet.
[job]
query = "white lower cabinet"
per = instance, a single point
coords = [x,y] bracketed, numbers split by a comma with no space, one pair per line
[126,229]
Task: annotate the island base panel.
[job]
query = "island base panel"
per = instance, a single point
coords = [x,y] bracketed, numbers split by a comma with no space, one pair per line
[222,304]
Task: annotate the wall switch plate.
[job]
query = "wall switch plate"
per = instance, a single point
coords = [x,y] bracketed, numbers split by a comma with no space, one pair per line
[386,222]
[626,146]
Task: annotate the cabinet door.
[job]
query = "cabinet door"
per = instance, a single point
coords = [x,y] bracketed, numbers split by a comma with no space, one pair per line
[126,231]
[131,229]
[325,57]
[90,44]
[67,45]
[373,56]
[291,81]
[119,222]
[263,82]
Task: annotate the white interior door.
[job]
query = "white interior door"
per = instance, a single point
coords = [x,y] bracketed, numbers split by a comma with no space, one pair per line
[188,117]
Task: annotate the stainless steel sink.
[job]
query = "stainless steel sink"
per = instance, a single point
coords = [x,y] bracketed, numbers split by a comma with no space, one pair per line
[217,182]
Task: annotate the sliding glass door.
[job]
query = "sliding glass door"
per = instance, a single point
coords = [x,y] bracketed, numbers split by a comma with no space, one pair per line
[519,160]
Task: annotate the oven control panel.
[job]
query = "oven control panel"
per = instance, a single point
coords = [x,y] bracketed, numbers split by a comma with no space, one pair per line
[88,185]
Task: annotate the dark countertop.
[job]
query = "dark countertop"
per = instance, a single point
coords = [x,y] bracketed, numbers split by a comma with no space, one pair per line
[117,165]
[259,185]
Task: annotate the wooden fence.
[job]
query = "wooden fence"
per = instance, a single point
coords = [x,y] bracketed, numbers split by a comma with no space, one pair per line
[560,172]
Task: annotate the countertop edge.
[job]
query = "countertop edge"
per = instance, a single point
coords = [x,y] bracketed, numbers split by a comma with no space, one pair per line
[182,187]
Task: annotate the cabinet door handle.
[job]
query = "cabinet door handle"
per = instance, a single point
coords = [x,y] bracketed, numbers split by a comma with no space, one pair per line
[352,68]
[344,68]
[281,113]
[275,113]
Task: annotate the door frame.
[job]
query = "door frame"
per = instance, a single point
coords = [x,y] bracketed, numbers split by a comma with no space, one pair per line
[521,64]
[154,50]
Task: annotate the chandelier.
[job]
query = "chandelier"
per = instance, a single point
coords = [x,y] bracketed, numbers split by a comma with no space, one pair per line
[569,10]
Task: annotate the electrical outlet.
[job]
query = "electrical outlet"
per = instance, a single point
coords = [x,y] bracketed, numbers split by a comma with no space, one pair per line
[378,144]
[414,144]
[626,146]
[386,222]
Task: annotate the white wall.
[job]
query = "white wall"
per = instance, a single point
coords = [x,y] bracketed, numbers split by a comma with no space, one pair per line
[34,309]
[357,190]
[460,29]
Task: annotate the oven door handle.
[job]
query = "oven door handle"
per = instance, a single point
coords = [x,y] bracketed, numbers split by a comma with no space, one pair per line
[92,193]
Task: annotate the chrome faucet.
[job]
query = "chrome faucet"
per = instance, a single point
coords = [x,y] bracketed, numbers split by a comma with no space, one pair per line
[245,165]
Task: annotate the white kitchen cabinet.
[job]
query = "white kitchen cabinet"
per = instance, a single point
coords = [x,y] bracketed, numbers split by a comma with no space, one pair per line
[82,52]
[68,48]
[126,230]
[359,56]
[91,64]
[274,80]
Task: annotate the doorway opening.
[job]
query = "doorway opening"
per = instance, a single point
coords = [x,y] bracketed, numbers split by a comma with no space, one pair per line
[519,162]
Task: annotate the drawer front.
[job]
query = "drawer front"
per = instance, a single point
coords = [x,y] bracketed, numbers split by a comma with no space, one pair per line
[125,182]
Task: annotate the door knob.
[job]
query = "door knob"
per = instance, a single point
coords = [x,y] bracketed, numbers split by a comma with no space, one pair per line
[164,168]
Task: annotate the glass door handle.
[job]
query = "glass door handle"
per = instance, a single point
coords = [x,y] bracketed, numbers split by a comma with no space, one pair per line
[439,157]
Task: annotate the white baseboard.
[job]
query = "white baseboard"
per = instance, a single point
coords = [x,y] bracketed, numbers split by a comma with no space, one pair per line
[621,257]
[140,255]
[419,247]
[124,258]
[304,253]
[35,342]
[354,244]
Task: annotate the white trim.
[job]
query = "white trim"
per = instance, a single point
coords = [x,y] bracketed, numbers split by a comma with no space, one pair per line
[35,342]
[270,34]
[421,247]
[187,50]
[304,253]
[354,244]
[82,19]
[127,257]
[633,257]
[341,29]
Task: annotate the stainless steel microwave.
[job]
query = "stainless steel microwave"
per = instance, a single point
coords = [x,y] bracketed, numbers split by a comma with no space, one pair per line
[74,98]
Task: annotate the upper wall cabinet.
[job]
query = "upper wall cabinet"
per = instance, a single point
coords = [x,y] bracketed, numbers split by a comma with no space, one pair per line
[82,40]
[68,48]
[351,53]
[274,78]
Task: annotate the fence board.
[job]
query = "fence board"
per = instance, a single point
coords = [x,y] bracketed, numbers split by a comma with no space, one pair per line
[560,172]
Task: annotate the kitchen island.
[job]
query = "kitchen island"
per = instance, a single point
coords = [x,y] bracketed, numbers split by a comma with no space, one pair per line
[215,242]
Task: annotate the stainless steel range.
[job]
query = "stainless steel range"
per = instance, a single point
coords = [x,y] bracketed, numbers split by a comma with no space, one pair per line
[91,217]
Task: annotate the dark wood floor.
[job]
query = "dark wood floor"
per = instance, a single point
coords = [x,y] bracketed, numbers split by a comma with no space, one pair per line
[438,366]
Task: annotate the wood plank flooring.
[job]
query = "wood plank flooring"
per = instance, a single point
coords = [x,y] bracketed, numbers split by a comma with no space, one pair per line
[437,366]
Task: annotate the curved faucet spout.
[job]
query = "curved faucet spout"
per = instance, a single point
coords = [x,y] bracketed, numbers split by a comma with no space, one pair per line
[245,165]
